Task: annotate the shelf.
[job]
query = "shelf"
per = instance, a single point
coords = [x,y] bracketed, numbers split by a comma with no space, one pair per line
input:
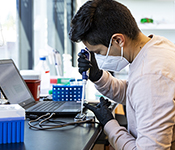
[150,26]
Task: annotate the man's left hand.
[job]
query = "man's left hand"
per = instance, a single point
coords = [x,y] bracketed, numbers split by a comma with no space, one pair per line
[101,111]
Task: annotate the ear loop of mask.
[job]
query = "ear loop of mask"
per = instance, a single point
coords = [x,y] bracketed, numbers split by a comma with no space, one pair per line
[122,52]
[109,47]
[107,52]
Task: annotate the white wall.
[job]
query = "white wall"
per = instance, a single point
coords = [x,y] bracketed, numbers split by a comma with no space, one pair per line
[161,11]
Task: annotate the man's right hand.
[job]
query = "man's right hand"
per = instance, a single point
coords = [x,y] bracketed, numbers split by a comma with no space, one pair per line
[84,64]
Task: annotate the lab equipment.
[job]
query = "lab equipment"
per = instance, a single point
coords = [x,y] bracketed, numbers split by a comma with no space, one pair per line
[79,81]
[146,20]
[67,65]
[83,65]
[44,71]
[60,80]
[24,98]
[54,59]
[72,82]
[41,125]
[11,123]
[32,79]
[67,93]
[85,76]
[58,63]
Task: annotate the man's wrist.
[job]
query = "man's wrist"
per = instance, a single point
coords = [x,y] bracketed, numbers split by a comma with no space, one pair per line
[107,120]
[97,76]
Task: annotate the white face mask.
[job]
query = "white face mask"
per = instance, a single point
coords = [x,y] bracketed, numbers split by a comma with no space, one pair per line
[111,63]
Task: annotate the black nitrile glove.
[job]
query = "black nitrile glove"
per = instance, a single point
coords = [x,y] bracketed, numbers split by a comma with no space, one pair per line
[84,64]
[101,111]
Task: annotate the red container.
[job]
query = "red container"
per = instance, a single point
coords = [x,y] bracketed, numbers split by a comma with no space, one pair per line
[34,86]
[32,79]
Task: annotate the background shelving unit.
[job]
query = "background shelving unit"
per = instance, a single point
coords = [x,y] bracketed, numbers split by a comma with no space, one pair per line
[150,26]
[161,11]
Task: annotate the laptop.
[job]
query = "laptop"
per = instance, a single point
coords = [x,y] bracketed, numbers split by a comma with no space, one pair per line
[15,90]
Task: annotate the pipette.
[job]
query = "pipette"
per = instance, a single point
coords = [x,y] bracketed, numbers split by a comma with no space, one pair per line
[85,76]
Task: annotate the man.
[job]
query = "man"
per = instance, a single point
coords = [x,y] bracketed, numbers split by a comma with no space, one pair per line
[108,29]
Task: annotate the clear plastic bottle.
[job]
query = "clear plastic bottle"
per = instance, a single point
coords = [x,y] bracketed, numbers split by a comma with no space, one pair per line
[67,65]
[44,70]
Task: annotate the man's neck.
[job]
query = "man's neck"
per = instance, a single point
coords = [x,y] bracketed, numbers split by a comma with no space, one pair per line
[134,46]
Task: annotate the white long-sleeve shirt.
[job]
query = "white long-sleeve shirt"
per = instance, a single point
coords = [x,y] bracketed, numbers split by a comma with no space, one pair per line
[149,95]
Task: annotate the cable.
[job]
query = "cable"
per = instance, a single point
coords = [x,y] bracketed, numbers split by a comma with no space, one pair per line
[59,126]
[40,117]
[63,124]
[46,119]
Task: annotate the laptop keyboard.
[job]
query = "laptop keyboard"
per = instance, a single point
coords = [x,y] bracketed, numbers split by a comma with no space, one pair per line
[46,106]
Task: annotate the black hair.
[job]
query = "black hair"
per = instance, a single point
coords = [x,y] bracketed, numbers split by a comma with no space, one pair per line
[97,20]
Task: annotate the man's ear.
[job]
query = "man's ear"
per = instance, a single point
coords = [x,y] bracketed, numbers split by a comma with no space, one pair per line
[118,39]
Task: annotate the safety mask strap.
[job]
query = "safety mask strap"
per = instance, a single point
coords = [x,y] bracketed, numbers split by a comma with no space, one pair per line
[109,47]
[122,52]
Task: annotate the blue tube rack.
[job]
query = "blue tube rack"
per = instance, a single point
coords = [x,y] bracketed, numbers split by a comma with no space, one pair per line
[67,92]
[11,131]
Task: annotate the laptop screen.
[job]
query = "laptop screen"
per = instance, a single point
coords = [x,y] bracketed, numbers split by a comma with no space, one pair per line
[12,85]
